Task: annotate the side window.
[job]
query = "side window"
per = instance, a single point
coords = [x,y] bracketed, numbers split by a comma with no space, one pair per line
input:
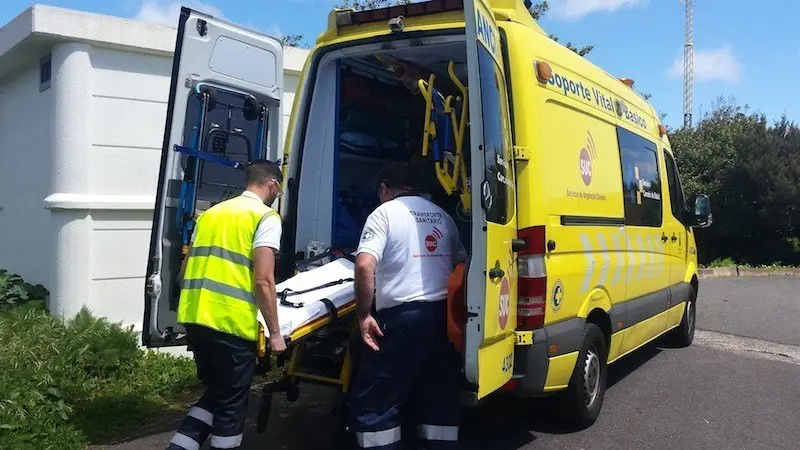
[498,194]
[675,189]
[641,180]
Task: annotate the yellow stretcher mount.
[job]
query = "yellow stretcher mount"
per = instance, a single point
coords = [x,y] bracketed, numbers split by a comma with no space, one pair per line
[452,179]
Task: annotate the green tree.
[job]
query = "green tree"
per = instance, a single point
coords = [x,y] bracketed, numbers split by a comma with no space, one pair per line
[539,9]
[293,40]
[751,171]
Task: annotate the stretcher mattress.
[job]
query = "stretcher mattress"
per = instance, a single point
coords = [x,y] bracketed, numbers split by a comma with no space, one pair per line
[291,318]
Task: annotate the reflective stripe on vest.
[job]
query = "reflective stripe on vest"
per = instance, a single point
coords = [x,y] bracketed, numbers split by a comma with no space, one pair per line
[217,289]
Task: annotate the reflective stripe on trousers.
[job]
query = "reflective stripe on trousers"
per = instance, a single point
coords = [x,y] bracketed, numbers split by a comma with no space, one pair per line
[226,441]
[438,433]
[185,442]
[372,439]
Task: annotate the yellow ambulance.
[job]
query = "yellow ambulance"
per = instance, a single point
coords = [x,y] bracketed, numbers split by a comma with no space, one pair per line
[559,176]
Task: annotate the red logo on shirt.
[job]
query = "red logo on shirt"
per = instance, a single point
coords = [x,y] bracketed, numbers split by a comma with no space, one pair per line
[432,240]
[431,243]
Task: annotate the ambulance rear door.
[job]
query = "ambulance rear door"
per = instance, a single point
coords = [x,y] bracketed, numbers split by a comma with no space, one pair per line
[223,112]
[492,276]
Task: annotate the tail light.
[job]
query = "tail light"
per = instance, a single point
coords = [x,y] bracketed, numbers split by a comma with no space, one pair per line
[532,281]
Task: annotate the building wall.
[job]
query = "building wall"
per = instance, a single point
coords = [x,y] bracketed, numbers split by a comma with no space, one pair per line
[85,154]
[127,113]
[25,175]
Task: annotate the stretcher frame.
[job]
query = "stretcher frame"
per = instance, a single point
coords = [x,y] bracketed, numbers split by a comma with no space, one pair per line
[293,373]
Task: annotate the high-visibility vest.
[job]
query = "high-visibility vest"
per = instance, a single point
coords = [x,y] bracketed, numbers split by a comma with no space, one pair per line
[218,289]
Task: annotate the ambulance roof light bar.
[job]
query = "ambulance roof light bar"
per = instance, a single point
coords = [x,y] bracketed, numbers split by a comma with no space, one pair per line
[348,16]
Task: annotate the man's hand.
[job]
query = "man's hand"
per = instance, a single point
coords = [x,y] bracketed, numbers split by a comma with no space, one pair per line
[276,344]
[370,331]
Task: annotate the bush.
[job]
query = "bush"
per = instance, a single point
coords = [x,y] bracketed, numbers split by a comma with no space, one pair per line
[14,291]
[722,262]
[65,384]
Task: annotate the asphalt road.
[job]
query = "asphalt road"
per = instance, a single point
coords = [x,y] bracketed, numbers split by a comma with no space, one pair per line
[765,308]
[722,392]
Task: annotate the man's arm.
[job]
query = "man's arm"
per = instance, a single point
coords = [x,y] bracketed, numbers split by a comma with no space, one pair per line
[365,283]
[183,265]
[266,295]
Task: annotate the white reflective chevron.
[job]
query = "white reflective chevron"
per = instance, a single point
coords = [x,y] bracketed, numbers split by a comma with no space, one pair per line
[640,268]
[651,258]
[620,256]
[606,260]
[631,253]
[587,252]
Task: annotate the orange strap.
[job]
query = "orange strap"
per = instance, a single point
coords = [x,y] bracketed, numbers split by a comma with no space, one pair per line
[457,306]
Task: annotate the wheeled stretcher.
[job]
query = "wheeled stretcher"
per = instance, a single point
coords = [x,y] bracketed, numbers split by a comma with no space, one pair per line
[316,318]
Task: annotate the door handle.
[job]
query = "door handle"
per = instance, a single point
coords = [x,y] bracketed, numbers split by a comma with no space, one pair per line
[674,238]
[663,237]
[496,273]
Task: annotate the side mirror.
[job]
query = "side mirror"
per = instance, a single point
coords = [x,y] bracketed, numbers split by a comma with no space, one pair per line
[700,216]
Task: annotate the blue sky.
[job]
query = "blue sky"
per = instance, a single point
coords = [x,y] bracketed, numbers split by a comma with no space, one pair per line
[746,50]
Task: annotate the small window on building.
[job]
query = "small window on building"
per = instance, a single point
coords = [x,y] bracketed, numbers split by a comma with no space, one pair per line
[45,72]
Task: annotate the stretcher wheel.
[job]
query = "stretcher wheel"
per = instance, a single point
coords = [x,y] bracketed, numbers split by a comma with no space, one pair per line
[263,413]
[344,430]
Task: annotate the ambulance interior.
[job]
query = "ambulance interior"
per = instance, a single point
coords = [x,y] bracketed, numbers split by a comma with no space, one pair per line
[368,110]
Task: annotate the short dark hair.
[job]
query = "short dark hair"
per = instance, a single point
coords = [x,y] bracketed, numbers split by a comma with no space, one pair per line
[260,172]
[398,177]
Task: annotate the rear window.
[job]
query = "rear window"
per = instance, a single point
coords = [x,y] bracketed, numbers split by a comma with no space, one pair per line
[498,196]
[641,180]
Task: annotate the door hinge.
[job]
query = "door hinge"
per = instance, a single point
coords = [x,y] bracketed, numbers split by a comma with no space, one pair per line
[522,153]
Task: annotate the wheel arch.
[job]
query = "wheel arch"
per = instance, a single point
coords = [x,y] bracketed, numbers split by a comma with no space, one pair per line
[600,317]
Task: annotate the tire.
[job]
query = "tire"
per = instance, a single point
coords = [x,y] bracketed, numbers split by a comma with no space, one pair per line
[583,399]
[683,335]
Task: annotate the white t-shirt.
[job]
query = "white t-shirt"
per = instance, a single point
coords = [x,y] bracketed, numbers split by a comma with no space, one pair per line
[417,245]
[268,233]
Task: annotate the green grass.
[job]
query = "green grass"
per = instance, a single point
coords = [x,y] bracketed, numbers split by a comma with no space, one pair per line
[64,385]
[729,262]
[722,262]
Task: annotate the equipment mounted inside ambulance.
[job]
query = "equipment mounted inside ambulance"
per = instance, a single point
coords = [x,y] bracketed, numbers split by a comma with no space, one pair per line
[559,175]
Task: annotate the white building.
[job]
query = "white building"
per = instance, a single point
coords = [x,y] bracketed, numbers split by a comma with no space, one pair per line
[82,110]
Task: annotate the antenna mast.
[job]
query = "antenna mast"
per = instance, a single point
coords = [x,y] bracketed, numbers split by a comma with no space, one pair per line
[688,65]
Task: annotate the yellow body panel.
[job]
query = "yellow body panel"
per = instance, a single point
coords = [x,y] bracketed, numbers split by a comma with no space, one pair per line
[493,375]
[675,315]
[644,332]
[615,349]
[559,372]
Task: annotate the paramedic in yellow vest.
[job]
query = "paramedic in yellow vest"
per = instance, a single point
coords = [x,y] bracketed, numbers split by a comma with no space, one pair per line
[408,371]
[228,276]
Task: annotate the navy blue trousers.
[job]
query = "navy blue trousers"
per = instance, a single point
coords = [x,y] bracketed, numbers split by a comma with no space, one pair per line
[413,379]
[225,364]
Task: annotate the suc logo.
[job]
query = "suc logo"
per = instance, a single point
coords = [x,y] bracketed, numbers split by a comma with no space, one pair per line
[587,158]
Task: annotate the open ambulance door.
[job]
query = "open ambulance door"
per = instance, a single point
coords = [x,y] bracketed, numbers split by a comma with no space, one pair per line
[224,111]
[492,276]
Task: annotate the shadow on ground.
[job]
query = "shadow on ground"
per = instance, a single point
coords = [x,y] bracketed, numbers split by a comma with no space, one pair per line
[499,423]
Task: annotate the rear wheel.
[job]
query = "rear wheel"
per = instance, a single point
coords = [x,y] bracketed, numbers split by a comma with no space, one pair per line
[683,335]
[583,399]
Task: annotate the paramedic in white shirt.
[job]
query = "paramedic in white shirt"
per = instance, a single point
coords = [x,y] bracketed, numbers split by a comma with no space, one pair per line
[407,251]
